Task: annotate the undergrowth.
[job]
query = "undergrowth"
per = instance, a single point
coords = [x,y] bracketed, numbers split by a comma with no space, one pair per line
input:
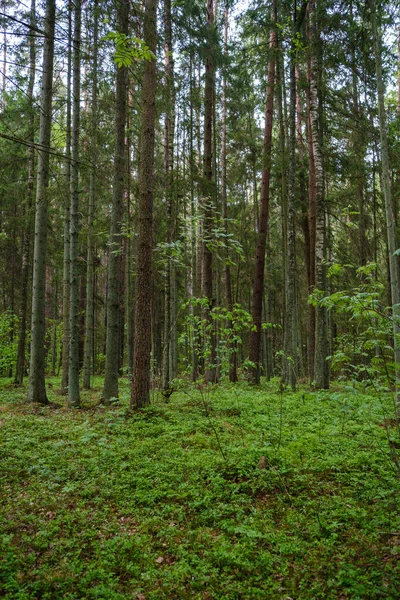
[225,493]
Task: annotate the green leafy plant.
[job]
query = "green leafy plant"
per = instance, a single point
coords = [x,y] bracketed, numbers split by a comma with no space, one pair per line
[128,49]
[8,342]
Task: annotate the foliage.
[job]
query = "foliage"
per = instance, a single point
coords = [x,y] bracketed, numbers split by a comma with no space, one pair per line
[128,49]
[363,350]
[8,341]
[97,506]
[227,324]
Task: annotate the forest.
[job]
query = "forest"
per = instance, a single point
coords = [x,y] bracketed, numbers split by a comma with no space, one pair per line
[200,299]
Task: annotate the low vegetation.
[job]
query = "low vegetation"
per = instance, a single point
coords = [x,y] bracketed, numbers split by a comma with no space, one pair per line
[221,493]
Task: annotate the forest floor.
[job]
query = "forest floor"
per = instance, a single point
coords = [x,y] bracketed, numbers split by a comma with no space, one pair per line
[226,493]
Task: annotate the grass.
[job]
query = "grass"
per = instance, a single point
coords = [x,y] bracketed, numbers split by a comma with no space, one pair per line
[227,493]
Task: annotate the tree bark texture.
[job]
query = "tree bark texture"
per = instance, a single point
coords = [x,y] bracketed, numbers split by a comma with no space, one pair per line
[28,227]
[209,199]
[321,371]
[89,312]
[37,389]
[142,347]
[258,285]
[110,389]
[73,374]
[67,216]
[389,205]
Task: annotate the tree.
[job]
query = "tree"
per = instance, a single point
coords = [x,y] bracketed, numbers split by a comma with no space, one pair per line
[394,260]
[37,389]
[142,347]
[110,388]
[73,376]
[258,285]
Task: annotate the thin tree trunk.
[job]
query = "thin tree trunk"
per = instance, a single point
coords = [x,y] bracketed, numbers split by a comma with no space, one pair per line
[312,208]
[27,240]
[233,375]
[258,286]
[389,207]
[67,218]
[73,374]
[321,372]
[291,278]
[110,389]
[209,199]
[89,312]
[169,126]
[37,389]
[141,359]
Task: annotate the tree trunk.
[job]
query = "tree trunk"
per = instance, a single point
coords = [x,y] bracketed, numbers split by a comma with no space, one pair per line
[73,374]
[169,126]
[209,199]
[258,286]
[291,278]
[233,374]
[89,312]
[37,389]
[321,372]
[389,207]
[67,218]
[142,348]
[110,389]
[27,238]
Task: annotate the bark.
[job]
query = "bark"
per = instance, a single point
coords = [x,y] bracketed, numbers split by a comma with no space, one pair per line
[312,210]
[89,311]
[73,374]
[37,389]
[291,279]
[321,372]
[142,348]
[169,126]
[233,374]
[67,218]
[258,286]
[110,389]
[209,199]
[27,237]
[389,205]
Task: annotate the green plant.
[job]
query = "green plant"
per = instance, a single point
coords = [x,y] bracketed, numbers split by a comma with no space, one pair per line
[8,341]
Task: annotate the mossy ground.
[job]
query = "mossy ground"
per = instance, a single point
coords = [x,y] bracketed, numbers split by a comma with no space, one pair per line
[171,502]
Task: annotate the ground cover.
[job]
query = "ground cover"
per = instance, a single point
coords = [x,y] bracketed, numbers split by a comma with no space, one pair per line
[225,493]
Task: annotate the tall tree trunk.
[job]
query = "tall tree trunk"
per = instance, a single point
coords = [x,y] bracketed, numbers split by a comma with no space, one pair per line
[89,312]
[110,389]
[73,374]
[27,239]
[321,372]
[37,389]
[144,281]
[258,285]
[67,217]
[209,198]
[291,278]
[169,126]
[233,374]
[389,206]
